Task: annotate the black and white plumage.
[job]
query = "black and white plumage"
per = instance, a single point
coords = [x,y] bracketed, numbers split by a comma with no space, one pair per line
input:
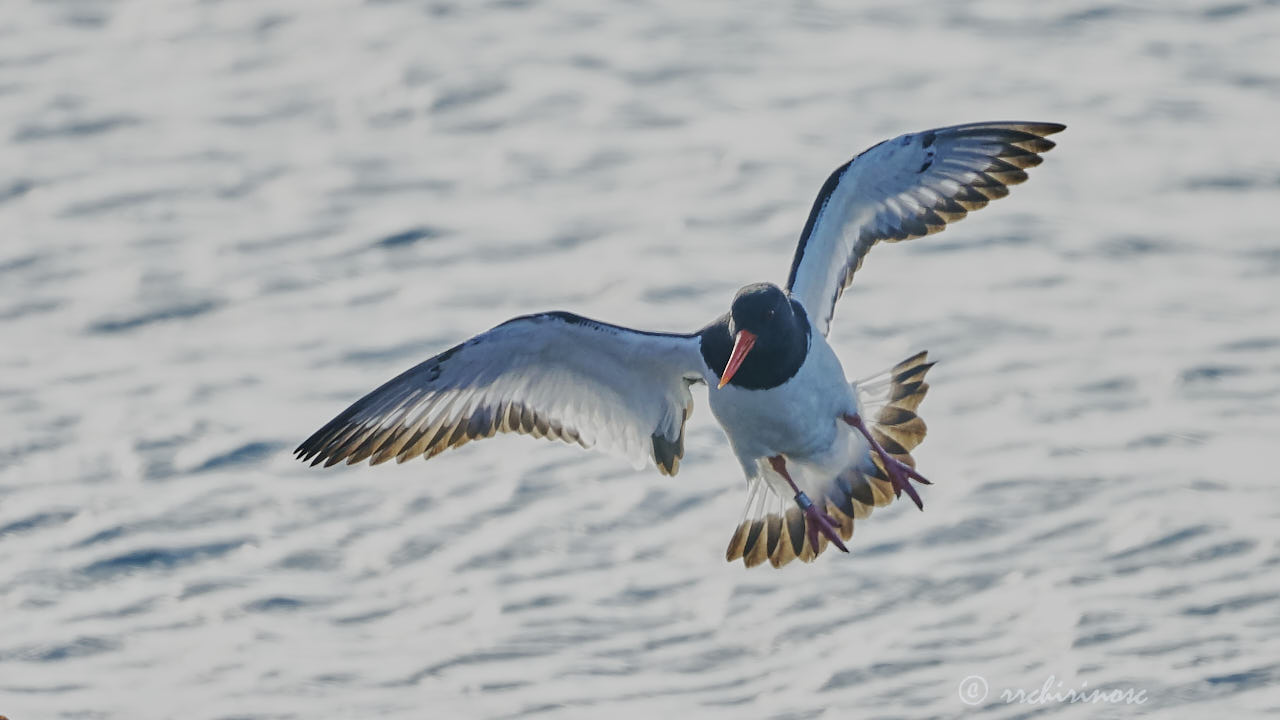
[904,188]
[797,426]
[554,375]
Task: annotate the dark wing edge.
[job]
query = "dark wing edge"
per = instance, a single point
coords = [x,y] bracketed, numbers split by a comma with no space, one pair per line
[484,386]
[916,185]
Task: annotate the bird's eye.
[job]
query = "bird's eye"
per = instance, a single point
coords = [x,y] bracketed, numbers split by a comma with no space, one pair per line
[770,314]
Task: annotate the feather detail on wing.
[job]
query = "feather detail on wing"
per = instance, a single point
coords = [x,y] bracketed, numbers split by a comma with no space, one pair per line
[908,187]
[554,375]
[773,527]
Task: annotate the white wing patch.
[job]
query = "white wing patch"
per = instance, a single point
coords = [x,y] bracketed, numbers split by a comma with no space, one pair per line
[553,375]
[908,187]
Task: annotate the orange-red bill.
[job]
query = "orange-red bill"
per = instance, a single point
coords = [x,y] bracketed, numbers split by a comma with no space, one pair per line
[742,345]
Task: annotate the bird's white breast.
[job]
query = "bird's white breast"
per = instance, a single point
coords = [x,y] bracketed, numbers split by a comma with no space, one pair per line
[797,418]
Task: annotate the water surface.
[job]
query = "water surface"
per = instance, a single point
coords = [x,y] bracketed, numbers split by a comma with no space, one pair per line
[221,222]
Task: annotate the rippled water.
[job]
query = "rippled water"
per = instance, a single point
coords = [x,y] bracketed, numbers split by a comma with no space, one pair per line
[220,222]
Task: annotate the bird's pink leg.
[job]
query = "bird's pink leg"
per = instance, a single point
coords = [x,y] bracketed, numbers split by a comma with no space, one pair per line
[900,473]
[818,520]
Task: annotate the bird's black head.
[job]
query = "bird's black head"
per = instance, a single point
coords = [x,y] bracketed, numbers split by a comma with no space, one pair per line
[762,308]
[761,342]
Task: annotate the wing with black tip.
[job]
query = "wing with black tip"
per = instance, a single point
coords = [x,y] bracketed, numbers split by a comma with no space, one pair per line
[908,187]
[553,375]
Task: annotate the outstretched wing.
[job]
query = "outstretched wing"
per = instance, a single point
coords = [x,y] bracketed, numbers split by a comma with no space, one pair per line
[906,188]
[553,375]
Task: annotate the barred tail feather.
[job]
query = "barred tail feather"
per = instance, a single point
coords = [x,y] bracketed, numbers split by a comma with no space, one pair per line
[892,412]
[773,527]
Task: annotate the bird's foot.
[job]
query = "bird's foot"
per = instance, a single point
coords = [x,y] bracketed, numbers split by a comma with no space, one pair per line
[817,521]
[900,474]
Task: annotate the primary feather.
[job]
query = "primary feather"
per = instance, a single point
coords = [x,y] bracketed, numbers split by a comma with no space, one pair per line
[907,187]
[554,375]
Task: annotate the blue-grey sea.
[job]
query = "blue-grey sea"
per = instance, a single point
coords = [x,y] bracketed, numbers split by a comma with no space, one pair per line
[223,221]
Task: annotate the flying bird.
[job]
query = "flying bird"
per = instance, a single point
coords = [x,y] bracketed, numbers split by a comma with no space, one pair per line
[818,451]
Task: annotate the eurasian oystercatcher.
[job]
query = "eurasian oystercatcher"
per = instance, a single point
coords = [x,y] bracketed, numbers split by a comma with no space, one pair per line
[818,451]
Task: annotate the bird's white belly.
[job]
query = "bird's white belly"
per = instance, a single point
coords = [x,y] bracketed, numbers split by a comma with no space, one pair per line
[799,418]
